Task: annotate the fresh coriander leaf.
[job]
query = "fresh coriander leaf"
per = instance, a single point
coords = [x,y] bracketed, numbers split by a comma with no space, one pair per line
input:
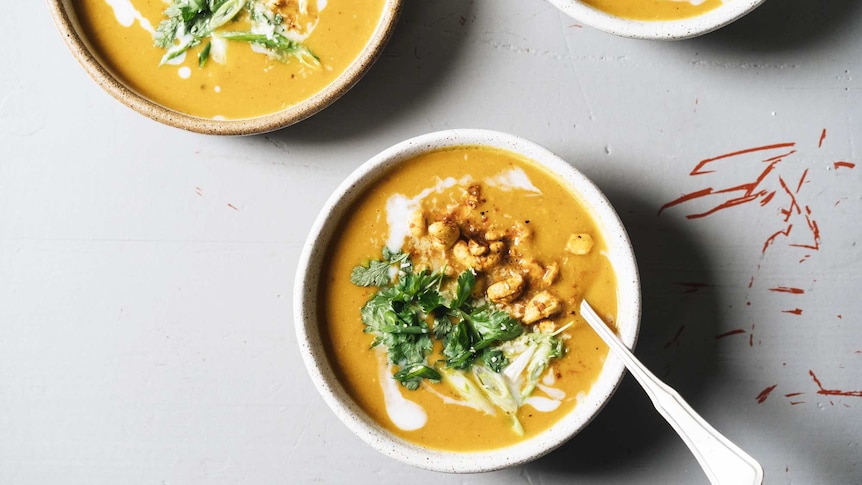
[442,327]
[466,282]
[495,359]
[430,301]
[375,274]
[494,325]
[458,350]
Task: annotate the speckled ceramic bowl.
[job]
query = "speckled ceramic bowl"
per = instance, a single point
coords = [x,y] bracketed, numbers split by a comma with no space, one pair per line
[308,324]
[70,29]
[730,11]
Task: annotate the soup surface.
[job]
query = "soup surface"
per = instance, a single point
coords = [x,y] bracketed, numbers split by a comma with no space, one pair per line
[655,9]
[272,54]
[492,237]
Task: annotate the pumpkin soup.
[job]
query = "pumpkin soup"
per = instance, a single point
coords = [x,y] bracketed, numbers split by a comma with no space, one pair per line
[449,297]
[655,9]
[228,59]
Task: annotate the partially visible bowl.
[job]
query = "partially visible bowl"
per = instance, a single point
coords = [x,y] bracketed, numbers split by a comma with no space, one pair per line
[714,19]
[70,28]
[308,319]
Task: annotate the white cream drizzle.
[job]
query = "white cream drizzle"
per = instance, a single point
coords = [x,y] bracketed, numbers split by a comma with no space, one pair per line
[126,14]
[552,392]
[449,400]
[405,414]
[542,404]
[513,179]
[399,208]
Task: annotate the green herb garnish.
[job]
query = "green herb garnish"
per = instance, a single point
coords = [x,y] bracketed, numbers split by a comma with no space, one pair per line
[488,358]
[188,23]
[204,55]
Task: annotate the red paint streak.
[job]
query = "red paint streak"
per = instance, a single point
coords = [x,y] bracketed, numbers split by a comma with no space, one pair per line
[842,163]
[675,339]
[728,334]
[697,170]
[815,233]
[232,207]
[802,181]
[749,192]
[766,199]
[686,198]
[761,398]
[794,403]
[839,318]
[794,206]
[785,289]
[832,392]
[822,137]
[751,340]
[795,311]
[794,394]
[771,239]
[691,287]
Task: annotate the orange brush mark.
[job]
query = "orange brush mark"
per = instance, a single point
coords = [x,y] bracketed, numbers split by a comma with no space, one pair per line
[728,334]
[832,392]
[232,207]
[822,137]
[795,311]
[792,394]
[840,164]
[761,398]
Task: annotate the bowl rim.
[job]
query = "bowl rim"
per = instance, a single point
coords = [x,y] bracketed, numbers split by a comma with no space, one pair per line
[728,12]
[66,22]
[320,370]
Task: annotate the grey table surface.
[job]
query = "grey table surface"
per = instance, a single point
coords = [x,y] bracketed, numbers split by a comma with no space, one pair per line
[146,328]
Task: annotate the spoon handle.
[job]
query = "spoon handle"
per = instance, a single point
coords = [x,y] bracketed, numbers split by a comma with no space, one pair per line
[723,461]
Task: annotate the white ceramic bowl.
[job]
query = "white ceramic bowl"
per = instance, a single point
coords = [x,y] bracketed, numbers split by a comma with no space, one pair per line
[66,20]
[730,11]
[307,323]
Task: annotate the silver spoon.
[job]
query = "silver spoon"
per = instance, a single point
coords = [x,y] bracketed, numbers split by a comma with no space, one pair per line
[723,461]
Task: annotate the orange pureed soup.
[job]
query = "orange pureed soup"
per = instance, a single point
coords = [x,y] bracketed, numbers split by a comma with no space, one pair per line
[655,9]
[270,55]
[462,333]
